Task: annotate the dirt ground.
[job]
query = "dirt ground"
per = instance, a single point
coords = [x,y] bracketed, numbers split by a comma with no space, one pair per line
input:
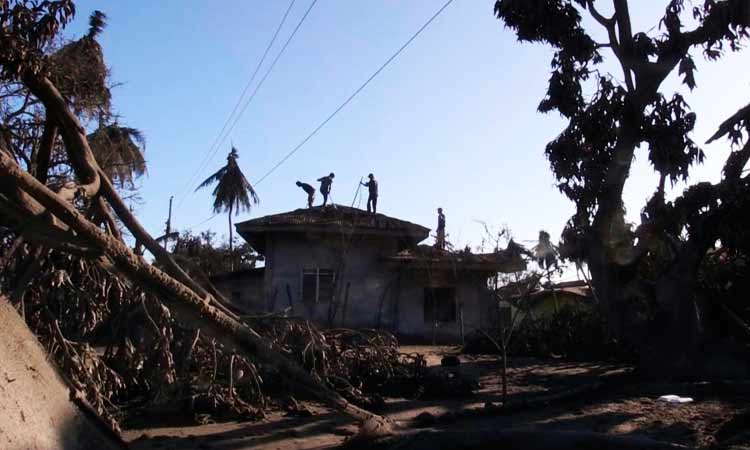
[602,398]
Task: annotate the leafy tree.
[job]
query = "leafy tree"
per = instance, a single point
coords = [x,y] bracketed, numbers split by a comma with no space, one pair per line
[231,191]
[592,156]
[77,69]
[201,254]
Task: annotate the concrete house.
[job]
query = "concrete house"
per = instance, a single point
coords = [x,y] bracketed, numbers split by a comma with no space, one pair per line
[344,267]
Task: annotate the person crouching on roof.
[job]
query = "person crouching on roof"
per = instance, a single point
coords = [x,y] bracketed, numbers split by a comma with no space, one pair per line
[310,193]
[325,186]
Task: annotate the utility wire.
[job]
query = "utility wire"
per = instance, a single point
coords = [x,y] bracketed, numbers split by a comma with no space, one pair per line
[268,72]
[260,83]
[200,223]
[212,150]
[351,97]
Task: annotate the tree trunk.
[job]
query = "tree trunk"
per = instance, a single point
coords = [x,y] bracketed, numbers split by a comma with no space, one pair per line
[162,256]
[231,241]
[46,145]
[678,329]
[73,133]
[608,287]
[231,232]
[39,411]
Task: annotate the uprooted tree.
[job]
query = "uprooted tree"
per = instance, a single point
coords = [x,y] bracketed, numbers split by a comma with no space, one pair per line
[658,262]
[55,196]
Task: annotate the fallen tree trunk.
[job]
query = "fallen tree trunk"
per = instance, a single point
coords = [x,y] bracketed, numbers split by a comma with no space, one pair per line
[98,183]
[162,256]
[38,409]
[186,305]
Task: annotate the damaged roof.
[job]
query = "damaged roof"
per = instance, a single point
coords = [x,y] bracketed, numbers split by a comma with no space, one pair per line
[428,257]
[331,220]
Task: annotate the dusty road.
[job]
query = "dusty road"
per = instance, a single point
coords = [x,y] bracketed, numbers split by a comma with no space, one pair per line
[626,410]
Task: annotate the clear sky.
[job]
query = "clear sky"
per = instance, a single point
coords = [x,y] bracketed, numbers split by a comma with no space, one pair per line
[452,122]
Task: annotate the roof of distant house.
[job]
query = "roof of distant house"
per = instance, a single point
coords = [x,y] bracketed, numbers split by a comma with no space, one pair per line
[427,257]
[329,219]
[531,289]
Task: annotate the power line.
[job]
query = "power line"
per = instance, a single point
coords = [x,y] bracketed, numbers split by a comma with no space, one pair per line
[351,97]
[259,85]
[270,68]
[215,144]
[200,223]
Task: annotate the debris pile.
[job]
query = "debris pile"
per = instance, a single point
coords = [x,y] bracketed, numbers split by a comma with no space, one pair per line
[122,350]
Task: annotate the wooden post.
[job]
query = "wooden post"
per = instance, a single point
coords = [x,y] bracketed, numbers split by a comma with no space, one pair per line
[346,303]
[461,319]
[289,297]
[168,228]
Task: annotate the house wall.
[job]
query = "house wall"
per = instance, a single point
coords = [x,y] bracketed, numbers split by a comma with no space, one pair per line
[358,265]
[544,306]
[244,290]
[471,299]
[379,295]
[548,304]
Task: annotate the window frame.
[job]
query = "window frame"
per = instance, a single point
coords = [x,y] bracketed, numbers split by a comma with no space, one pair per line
[430,303]
[317,272]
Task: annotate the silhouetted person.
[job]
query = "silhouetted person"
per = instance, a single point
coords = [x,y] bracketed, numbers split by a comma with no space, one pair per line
[372,199]
[310,192]
[545,252]
[440,242]
[325,186]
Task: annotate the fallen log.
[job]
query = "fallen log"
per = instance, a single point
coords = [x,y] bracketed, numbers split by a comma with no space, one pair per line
[38,408]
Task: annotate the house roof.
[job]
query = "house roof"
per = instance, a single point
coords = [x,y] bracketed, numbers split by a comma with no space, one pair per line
[576,288]
[426,257]
[328,220]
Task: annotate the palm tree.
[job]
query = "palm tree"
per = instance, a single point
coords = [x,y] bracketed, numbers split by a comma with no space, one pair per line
[119,152]
[231,192]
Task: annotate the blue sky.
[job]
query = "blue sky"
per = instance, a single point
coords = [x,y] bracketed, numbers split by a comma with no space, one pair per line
[452,122]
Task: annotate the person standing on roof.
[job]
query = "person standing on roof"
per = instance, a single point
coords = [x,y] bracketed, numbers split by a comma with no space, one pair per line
[325,186]
[440,241]
[310,192]
[372,199]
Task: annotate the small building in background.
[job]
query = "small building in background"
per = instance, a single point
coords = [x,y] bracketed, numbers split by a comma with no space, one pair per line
[535,300]
[344,267]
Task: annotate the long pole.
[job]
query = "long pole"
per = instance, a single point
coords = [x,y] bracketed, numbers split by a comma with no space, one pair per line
[356,193]
[168,228]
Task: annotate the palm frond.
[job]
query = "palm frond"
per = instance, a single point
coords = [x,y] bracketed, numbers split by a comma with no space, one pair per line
[212,179]
[120,152]
[97,22]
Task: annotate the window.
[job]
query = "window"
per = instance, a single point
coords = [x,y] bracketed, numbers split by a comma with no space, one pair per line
[318,285]
[439,305]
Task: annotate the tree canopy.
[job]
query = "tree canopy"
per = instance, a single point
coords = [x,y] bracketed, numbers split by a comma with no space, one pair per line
[609,121]
[232,192]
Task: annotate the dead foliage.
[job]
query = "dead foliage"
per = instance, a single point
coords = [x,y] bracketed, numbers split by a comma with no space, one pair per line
[122,350]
